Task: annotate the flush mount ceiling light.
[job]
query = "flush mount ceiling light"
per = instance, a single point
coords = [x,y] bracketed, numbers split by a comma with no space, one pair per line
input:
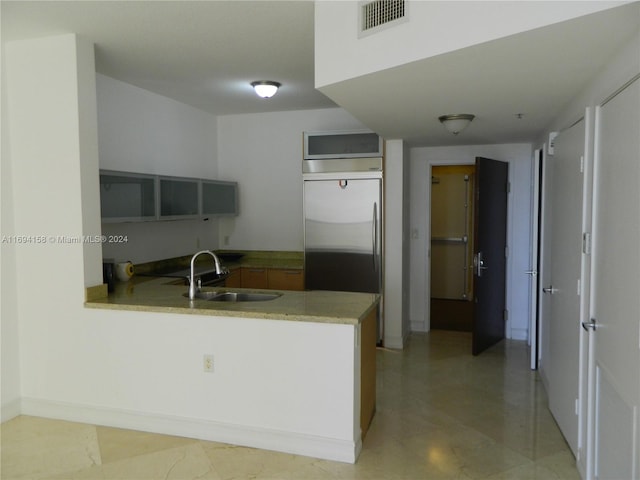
[265,88]
[457,122]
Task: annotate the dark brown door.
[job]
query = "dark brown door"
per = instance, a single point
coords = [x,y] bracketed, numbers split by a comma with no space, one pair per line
[490,234]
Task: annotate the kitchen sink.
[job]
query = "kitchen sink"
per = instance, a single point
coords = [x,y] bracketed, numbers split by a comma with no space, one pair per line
[235,296]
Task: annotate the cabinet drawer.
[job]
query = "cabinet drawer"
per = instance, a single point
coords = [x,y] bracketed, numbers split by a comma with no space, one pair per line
[286,279]
[254,278]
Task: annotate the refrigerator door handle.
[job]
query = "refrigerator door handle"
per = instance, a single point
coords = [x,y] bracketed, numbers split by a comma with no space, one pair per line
[375,236]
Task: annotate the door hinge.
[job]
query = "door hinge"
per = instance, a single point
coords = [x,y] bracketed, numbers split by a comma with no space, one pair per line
[586,243]
[505,315]
[508,187]
[506,252]
[581,163]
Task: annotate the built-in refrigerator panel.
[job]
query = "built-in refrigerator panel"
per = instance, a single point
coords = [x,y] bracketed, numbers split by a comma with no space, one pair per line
[343,241]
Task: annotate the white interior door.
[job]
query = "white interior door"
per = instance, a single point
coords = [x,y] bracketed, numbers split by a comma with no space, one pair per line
[615,287]
[564,288]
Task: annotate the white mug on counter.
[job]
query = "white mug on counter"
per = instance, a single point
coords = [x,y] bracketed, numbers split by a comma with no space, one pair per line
[124,271]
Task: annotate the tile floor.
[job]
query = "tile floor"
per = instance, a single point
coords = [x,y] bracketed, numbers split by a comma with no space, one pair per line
[442,414]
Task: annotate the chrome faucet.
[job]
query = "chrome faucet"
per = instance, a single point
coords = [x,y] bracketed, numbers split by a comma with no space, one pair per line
[193,288]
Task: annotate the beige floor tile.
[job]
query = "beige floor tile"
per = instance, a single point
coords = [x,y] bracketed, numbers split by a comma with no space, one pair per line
[180,463]
[118,444]
[183,463]
[34,448]
[555,467]
[233,462]
[393,461]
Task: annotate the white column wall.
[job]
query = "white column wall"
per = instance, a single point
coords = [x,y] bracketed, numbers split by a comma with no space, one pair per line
[10,351]
[53,165]
[396,287]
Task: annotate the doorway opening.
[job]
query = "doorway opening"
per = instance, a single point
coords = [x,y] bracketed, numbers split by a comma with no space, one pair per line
[452,226]
[483,286]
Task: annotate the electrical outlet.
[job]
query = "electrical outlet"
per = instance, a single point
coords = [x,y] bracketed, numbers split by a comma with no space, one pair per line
[226,240]
[207,363]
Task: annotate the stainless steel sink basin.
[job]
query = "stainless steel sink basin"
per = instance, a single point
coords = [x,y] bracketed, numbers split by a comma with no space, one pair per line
[236,296]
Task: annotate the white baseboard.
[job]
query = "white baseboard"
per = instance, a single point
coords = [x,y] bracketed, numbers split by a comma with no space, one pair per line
[9,410]
[393,341]
[202,429]
[418,326]
[519,334]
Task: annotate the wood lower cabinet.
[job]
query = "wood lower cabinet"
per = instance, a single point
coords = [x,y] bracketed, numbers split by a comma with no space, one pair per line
[234,280]
[286,279]
[255,278]
[368,370]
[266,278]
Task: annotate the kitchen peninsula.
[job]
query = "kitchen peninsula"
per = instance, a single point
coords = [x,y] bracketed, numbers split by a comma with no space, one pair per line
[293,374]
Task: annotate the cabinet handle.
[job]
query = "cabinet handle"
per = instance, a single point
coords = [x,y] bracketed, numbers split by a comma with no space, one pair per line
[256,270]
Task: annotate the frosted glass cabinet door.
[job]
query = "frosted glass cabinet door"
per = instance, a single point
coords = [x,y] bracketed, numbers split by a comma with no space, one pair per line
[127,197]
[178,197]
[318,145]
[219,198]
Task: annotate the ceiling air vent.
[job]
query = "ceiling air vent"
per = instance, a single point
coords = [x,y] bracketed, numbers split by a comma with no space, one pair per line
[381,13]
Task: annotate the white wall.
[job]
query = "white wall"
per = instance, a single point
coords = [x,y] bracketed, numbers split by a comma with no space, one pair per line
[519,157]
[264,152]
[140,131]
[10,360]
[427,33]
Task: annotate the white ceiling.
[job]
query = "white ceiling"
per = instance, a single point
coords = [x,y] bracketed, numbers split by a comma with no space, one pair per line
[535,73]
[205,54]
[202,53]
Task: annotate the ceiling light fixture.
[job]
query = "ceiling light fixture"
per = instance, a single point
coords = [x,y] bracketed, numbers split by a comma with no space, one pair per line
[265,88]
[455,123]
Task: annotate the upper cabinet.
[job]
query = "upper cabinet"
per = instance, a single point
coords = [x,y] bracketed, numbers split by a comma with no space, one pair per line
[133,197]
[179,198]
[219,198]
[342,144]
[127,197]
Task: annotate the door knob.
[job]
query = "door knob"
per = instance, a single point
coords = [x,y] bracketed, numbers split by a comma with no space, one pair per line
[590,325]
[478,263]
[550,290]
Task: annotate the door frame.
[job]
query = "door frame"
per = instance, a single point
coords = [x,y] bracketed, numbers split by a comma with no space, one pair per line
[467,159]
[586,343]
[537,198]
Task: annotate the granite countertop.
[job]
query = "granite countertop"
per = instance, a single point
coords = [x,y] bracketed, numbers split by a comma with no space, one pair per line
[156,294]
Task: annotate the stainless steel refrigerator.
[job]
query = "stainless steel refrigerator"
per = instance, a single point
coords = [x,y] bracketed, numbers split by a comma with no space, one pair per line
[342,233]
